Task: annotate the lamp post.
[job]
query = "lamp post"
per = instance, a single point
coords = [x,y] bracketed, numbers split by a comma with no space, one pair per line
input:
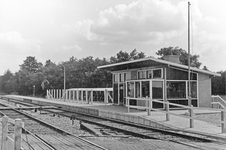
[33,90]
[64,83]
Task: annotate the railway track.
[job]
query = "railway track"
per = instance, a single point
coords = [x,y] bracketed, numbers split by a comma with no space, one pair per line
[121,129]
[39,135]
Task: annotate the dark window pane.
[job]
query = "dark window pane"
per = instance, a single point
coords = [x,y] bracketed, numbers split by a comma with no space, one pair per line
[137,94]
[149,74]
[130,87]
[176,89]
[175,74]
[141,74]
[145,88]
[157,89]
[157,73]
[193,89]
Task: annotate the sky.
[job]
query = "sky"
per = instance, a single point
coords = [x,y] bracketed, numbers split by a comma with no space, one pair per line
[60,29]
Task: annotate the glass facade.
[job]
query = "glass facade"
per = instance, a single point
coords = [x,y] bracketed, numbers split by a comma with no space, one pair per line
[176,89]
[157,89]
[150,83]
[145,89]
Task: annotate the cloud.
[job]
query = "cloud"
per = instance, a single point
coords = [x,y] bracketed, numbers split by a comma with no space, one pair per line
[141,21]
[14,49]
[13,42]
[70,49]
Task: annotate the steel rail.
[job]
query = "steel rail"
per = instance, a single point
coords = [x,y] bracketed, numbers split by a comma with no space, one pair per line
[56,129]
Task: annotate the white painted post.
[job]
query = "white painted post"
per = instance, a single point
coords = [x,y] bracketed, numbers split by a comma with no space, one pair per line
[223,124]
[47,95]
[57,94]
[192,117]
[4,133]
[77,95]
[167,111]
[128,109]
[149,106]
[87,96]
[91,96]
[66,95]
[17,134]
[105,96]
[73,95]
[69,95]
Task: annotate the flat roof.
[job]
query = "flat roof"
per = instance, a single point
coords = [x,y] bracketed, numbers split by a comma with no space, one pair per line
[150,61]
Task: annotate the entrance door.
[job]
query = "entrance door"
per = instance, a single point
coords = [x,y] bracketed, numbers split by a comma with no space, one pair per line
[157,93]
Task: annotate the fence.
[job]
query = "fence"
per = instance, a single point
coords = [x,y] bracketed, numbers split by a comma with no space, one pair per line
[8,143]
[149,108]
[218,102]
[82,95]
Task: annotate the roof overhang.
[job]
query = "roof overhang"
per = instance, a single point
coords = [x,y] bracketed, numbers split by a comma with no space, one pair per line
[147,62]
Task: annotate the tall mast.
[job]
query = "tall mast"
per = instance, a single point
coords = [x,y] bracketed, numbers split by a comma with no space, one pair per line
[189,63]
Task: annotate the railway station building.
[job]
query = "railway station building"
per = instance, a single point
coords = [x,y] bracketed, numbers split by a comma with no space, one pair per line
[162,80]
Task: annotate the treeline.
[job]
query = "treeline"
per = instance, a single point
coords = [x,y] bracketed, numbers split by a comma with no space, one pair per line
[83,73]
[80,73]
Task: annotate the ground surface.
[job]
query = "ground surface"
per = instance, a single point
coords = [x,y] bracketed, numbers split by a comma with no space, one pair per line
[116,143]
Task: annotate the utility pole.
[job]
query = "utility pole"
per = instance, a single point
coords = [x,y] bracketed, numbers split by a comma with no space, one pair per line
[64,94]
[189,63]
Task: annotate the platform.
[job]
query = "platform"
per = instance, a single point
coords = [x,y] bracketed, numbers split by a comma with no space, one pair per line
[156,119]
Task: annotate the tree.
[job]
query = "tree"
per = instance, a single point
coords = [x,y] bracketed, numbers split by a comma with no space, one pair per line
[183,55]
[7,85]
[124,56]
[31,65]
[49,63]
[219,84]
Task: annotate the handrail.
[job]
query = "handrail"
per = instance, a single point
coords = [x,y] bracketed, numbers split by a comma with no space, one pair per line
[190,109]
[222,106]
[217,96]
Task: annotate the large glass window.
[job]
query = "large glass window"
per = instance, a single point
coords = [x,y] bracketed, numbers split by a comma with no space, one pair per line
[121,77]
[116,77]
[127,76]
[154,73]
[130,89]
[157,89]
[145,88]
[149,74]
[137,88]
[176,89]
[175,74]
[157,73]
[193,89]
[141,74]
